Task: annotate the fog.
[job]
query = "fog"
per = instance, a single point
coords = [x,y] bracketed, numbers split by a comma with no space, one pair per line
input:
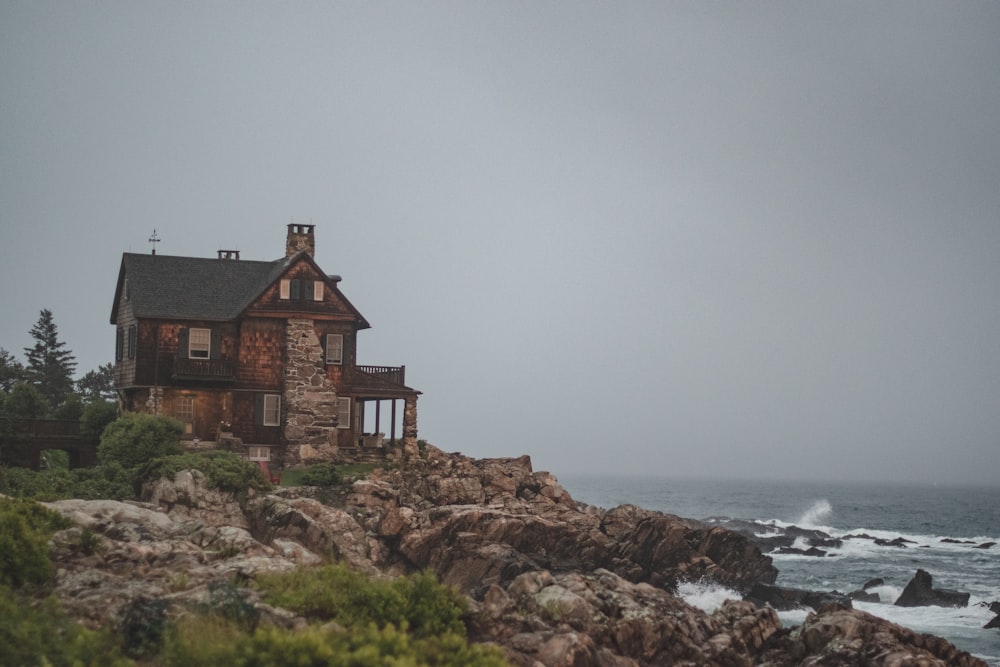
[685,239]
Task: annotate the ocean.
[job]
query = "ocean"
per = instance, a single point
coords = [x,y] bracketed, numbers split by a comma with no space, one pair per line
[924,515]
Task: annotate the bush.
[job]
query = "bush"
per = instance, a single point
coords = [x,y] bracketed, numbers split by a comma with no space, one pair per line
[223,470]
[95,418]
[33,633]
[321,474]
[109,481]
[134,439]
[211,641]
[25,528]
[43,485]
[336,592]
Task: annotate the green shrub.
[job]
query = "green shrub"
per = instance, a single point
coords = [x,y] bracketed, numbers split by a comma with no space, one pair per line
[95,418]
[135,439]
[43,485]
[336,592]
[25,528]
[223,470]
[38,633]
[321,474]
[212,642]
[108,481]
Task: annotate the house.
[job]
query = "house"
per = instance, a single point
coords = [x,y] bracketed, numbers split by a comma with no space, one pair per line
[263,354]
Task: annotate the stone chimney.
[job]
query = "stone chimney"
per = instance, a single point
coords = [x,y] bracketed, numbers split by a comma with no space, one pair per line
[300,237]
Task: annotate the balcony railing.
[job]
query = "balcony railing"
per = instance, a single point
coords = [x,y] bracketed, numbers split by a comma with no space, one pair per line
[204,369]
[394,374]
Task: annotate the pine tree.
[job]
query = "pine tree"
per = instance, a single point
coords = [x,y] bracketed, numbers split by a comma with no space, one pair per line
[98,384]
[50,367]
[11,371]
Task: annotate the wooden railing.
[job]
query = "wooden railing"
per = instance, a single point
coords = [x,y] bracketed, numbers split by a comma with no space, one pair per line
[45,428]
[203,369]
[395,374]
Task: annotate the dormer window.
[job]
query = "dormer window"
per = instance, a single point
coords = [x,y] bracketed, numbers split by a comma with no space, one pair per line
[295,289]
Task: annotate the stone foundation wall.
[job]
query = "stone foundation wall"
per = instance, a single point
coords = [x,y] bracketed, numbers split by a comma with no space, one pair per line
[310,402]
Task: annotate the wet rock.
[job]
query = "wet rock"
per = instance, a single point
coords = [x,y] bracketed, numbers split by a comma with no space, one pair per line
[919,592]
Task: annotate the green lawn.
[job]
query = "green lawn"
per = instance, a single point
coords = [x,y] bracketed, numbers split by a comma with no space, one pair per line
[349,471]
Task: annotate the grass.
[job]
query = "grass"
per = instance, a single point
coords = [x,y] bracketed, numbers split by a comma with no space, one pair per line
[348,472]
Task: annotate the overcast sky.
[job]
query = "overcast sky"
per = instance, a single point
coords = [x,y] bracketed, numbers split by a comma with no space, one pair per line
[720,239]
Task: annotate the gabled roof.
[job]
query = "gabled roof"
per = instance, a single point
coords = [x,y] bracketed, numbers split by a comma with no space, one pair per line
[198,288]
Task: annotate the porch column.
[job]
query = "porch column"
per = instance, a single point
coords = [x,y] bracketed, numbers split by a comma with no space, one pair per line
[410,427]
[392,435]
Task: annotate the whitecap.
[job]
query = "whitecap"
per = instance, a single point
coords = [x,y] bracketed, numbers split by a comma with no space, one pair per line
[706,596]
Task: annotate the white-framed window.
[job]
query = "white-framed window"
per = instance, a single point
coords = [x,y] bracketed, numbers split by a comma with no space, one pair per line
[344,412]
[318,290]
[184,408]
[184,411]
[258,453]
[285,289]
[335,349]
[199,343]
[272,410]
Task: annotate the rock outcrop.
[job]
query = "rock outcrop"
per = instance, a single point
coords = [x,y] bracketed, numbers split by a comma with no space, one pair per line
[919,592]
[551,581]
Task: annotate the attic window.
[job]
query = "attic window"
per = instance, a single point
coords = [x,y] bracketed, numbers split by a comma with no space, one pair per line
[318,290]
[199,343]
[285,289]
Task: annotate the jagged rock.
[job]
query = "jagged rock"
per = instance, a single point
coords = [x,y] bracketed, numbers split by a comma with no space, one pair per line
[551,581]
[187,496]
[783,598]
[836,635]
[919,593]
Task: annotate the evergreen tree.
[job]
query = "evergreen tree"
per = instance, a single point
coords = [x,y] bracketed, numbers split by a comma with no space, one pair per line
[98,384]
[11,371]
[50,366]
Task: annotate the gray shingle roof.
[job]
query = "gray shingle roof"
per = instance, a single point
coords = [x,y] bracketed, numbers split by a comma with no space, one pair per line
[193,287]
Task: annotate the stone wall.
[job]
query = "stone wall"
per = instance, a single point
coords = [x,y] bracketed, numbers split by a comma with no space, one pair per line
[310,401]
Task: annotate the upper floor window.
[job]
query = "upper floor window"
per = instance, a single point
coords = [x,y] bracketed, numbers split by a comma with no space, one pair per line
[296,289]
[335,349]
[199,343]
[119,344]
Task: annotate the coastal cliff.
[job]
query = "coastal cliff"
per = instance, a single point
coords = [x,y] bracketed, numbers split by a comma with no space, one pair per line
[551,581]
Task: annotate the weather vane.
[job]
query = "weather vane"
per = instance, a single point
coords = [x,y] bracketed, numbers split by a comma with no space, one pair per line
[154,239]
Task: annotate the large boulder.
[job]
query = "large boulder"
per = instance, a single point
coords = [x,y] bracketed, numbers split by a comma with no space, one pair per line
[920,593]
[837,635]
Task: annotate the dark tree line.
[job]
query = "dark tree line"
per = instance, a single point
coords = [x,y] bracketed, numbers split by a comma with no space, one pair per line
[44,386]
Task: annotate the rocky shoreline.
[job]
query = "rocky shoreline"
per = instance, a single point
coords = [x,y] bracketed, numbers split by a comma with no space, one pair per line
[551,581]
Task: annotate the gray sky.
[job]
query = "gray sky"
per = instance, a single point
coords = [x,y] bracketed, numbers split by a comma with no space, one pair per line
[673,238]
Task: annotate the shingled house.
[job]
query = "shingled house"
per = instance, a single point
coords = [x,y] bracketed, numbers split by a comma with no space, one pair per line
[265,352]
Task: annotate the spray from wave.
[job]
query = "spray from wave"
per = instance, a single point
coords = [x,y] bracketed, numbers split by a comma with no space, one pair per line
[706,595]
[819,511]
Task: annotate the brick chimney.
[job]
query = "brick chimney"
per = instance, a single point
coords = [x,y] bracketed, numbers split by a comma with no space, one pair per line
[300,237]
